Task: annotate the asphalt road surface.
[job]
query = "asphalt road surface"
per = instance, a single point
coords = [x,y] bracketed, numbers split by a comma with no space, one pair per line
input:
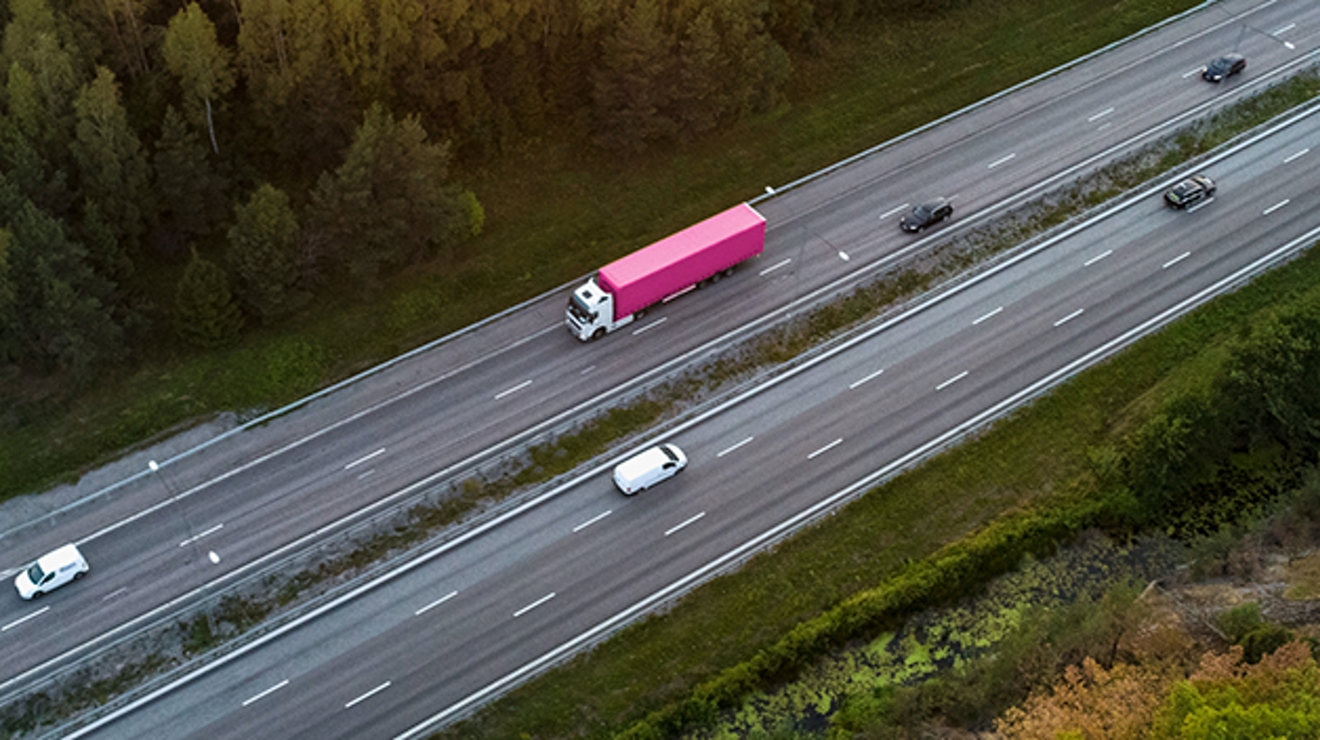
[421,644]
[213,514]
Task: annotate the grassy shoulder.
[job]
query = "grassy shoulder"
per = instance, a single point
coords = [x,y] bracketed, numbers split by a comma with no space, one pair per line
[555,212]
[1039,458]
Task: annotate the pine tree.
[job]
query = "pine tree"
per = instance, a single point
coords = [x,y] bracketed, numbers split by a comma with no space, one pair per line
[633,87]
[190,192]
[263,251]
[112,166]
[204,310]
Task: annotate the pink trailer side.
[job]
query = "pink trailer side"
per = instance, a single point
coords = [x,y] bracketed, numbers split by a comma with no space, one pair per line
[682,260]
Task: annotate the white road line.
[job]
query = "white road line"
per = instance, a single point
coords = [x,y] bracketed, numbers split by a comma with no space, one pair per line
[650,326]
[844,255]
[1069,317]
[727,450]
[435,603]
[368,695]
[1097,258]
[1175,260]
[592,520]
[365,458]
[775,266]
[951,381]
[872,376]
[826,448]
[983,318]
[680,525]
[366,473]
[534,604]
[115,593]
[684,291]
[514,389]
[1000,161]
[1296,155]
[894,211]
[214,558]
[589,369]
[1103,126]
[1100,115]
[1196,71]
[1198,206]
[266,693]
[21,620]
[200,535]
[1276,206]
[1285,29]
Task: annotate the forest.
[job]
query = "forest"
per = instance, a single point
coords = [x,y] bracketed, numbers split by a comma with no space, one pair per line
[172,173]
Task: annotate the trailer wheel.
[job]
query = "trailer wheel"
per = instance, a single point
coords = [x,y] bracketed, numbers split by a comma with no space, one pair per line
[598,333]
[716,277]
[728,272]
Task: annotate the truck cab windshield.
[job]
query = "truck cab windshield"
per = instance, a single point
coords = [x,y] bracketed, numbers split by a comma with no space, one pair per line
[581,311]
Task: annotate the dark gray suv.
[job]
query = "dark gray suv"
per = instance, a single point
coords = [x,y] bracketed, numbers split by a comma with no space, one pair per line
[926,214]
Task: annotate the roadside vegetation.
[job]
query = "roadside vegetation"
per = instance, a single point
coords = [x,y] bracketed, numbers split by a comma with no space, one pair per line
[277,299]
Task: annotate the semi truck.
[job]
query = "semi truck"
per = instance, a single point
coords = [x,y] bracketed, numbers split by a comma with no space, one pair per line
[623,290]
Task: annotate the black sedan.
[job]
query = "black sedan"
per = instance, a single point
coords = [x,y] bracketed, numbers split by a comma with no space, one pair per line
[1192,190]
[926,214]
[1224,67]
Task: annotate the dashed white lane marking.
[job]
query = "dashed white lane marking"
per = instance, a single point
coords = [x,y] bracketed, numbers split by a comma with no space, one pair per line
[112,594]
[1175,260]
[682,524]
[951,381]
[988,315]
[872,376]
[1000,161]
[894,211]
[826,448]
[776,266]
[368,695]
[1097,258]
[1196,71]
[435,603]
[589,369]
[200,535]
[366,473]
[1296,155]
[1100,115]
[266,693]
[534,604]
[21,620]
[1069,317]
[514,389]
[1198,206]
[1285,29]
[650,326]
[593,520]
[727,450]
[1276,206]
[365,458]
[684,291]
[1103,126]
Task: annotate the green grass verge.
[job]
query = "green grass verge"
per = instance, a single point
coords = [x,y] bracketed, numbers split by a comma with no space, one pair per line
[555,212]
[1038,456]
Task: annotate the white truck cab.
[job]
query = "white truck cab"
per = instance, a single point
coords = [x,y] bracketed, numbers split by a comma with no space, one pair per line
[591,312]
[52,570]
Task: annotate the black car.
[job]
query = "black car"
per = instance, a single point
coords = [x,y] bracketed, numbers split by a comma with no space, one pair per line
[1192,190]
[926,214]
[1224,67]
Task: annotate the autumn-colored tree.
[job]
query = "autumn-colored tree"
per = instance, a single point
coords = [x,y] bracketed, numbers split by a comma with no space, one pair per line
[1091,703]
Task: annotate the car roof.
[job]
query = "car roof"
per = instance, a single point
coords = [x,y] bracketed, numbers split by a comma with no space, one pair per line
[643,461]
[57,558]
[1229,58]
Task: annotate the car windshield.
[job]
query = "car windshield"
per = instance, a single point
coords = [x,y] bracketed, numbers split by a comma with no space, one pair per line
[1221,64]
[669,454]
[923,211]
[35,573]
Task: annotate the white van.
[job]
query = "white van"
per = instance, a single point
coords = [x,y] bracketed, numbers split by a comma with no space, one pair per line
[52,570]
[648,468]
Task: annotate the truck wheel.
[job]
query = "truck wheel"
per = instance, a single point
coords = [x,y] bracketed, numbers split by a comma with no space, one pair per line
[716,277]
[640,314]
[598,333]
[728,272]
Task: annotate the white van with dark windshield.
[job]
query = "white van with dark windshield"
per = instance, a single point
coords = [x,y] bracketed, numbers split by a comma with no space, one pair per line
[52,570]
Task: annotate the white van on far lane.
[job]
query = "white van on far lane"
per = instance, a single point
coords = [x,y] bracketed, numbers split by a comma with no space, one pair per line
[52,570]
[640,472]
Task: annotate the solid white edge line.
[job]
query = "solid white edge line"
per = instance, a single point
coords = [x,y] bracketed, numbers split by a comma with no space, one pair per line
[367,695]
[650,326]
[894,211]
[364,458]
[857,383]
[988,315]
[1295,155]
[1276,206]
[266,693]
[514,389]
[771,535]
[435,603]
[683,524]
[1175,260]
[727,450]
[1069,317]
[481,529]
[23,619]
[775,266]
[826,448]
[951,381]
[593,520]
[534,604]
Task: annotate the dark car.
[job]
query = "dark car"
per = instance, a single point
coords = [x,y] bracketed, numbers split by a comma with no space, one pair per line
[1192,190]
[926,214]
[1224,67]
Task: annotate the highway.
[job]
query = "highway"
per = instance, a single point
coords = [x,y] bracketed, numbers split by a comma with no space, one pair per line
[271,486]
[430,637]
